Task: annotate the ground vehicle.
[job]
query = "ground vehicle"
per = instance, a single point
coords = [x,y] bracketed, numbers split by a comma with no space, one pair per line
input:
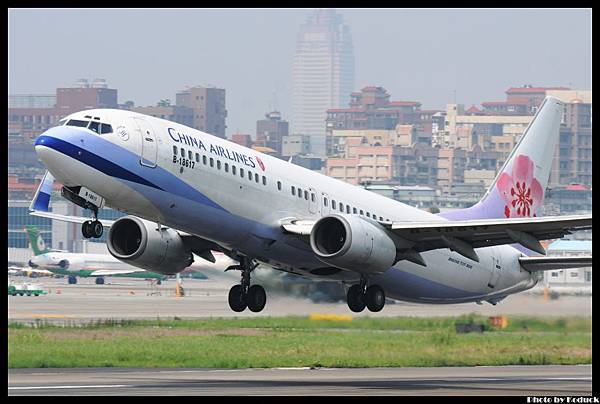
[28,289]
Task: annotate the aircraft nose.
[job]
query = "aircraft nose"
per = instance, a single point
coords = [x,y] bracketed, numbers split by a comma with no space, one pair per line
[57,145]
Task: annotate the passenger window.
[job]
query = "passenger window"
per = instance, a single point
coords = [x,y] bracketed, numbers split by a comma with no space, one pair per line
[212,162]
[342,207]
[306,195]
[233,170]
[348,209]
[95,126]
[218,164]
[361,212]
[279,185]
[242,172]
[354,210]
[312,197]
[333,204]
[325,201]
[226,167]
[105,128]
[182,152]
[299,193]
[256,178]
[250,175]
[204,160]
[175,150]
[197,157]
[381,218]
[189,154]
[368,214]
[264,180]
[293,190]
[78,123]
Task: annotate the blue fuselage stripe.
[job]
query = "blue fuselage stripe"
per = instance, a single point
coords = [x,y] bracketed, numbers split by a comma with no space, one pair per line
[91,159]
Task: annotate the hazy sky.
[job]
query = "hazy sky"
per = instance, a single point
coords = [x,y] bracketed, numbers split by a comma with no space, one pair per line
[419,55]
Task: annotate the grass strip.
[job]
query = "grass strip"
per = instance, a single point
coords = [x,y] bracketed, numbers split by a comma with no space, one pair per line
[297,341]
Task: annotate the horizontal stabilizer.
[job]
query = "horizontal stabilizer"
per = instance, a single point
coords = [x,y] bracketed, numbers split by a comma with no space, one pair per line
[554,263]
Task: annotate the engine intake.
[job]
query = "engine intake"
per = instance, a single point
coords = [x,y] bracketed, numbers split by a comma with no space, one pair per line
[140,243]
[353,243]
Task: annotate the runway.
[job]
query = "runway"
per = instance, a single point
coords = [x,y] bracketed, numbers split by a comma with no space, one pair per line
[485,380]
[135,299]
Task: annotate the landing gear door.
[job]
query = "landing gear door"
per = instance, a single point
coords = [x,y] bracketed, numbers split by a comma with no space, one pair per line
[149,146]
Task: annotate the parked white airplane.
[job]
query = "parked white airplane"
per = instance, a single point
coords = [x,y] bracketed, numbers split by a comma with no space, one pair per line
[188,191]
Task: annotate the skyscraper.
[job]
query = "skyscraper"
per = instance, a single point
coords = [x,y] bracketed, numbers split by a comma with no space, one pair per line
[323,74]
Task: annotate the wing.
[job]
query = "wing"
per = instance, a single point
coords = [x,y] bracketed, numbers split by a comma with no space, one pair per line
[413,238]
[41,201]
[463,236]
[554,263]
[109,272]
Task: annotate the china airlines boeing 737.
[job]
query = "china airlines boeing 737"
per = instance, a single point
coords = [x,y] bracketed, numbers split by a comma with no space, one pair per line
[189,192]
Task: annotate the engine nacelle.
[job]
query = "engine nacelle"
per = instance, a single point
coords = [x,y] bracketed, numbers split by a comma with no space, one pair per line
[352,243]
[138,242]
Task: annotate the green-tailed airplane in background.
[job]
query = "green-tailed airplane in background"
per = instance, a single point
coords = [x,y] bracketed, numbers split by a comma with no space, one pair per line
[83,265]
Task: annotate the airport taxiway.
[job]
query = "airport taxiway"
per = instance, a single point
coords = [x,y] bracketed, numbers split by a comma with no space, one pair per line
[136,299]
[484,380]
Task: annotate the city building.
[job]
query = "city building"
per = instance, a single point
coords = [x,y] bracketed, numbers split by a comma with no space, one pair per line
[294,145]
[416,196]
[574,276]
[208,106]
[371,108]
[271,131]
[569,199]
[175,113]
[323,74]
[242,139]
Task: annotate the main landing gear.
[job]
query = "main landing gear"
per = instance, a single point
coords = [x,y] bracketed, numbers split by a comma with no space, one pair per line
[244,295]
[360,296]
[93,228]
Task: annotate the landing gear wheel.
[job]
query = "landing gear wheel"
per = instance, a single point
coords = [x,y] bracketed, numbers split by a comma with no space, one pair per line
[355,299]
[87,230]
[100,281]
[375,298]
[97,229]
[72,279]
[237,298]
[256,298]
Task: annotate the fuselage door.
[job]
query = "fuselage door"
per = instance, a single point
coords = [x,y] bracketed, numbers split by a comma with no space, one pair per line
[149,146]
[313,201]
[496,268]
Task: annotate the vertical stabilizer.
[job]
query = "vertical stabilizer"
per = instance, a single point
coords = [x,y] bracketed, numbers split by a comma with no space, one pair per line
[37,242]
[518,189]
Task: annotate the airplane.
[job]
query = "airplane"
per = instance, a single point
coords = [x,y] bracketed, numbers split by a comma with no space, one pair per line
[85,265]
[81,265]
[28,271]
[188,192]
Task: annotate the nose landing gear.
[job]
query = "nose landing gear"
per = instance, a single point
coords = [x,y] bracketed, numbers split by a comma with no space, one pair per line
[93,228]
[360,296]
[243,295]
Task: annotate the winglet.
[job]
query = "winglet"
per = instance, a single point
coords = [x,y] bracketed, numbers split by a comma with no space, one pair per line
[41,199]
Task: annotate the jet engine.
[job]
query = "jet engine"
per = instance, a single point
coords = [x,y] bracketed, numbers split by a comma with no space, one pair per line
[140,243]
[353,243]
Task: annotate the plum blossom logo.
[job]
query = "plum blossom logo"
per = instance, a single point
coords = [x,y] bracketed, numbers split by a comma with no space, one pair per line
[260,163]
[521,192]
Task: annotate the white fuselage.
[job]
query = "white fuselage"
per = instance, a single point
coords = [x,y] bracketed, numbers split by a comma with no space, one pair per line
[218,190]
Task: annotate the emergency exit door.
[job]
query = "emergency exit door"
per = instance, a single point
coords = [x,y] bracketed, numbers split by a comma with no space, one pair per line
[149,146]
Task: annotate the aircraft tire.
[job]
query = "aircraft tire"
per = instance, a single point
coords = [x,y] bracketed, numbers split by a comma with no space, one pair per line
[72,280]
[256,298]
[100,281]
[375,298]
[237,298]
[86,229]
[97,229]
[355,299]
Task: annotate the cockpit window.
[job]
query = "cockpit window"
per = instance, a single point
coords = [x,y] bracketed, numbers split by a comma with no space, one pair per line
[61,122]
[105,128]
[95,126]
[77,122]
